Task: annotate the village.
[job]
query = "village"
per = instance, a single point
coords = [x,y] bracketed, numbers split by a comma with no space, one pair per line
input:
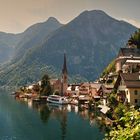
[124,82]
[70,70]
[113,100]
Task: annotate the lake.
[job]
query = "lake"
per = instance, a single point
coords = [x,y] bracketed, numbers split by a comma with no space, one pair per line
[25,120]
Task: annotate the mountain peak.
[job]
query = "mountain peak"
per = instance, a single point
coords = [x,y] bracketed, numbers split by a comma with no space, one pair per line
[94,17]
[95,13]
[52,20]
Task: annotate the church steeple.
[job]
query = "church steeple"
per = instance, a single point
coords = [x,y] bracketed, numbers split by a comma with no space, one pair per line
[64,70]
[64,77]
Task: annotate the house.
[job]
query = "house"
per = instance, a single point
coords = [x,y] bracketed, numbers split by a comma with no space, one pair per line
[84,89]
[89,91]
[128,60]
[105,90]
[84,92]
[128,88]
[93,89]
[73,90]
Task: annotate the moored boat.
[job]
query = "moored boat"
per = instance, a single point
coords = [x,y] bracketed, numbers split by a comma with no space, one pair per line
[57,99]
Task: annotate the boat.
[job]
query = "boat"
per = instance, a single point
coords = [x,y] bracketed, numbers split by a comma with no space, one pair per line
[56,99]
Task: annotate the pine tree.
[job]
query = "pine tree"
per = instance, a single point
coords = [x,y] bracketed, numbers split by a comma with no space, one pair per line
[134,40]
[46,88]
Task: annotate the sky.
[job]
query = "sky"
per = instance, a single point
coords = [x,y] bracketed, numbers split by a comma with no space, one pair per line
[18,15]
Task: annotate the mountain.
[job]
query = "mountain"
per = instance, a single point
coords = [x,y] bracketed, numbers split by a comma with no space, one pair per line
[7,44]
[16,45]
[28,40]
[34,36]
[90,42]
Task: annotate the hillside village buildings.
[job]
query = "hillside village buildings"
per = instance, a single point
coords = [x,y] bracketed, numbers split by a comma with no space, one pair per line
[128,85]
[128,81]
[83,90]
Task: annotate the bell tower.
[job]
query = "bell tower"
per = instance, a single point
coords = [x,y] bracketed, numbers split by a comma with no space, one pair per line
[64,77]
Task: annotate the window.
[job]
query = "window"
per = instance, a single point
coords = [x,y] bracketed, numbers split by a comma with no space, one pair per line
[135,92]
[136,100]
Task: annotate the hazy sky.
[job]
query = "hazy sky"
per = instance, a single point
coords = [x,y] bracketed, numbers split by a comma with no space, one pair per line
[17,15]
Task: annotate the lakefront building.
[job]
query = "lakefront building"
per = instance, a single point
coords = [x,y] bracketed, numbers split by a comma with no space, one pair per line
[128,88]
[128,81]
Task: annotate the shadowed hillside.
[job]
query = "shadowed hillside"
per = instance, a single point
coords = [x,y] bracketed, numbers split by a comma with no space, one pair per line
[90,42]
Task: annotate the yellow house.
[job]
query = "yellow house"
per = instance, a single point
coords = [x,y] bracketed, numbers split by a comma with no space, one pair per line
[128,88]
[133,96]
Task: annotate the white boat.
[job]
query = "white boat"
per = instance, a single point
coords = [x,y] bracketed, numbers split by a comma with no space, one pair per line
[57,99]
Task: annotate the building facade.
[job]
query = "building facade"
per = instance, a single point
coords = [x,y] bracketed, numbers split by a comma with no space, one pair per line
[128,60]
[128,88]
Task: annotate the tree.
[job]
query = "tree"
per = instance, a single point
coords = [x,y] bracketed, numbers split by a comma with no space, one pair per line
[36,88]
[128,127]
[134,40]
[112,100]
[45,80]
[119,111]
[109,68]
[46,88]
[45,113]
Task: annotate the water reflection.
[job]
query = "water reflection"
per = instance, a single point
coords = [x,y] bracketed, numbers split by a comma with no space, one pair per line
[60,113]
[44,113]
[54,111]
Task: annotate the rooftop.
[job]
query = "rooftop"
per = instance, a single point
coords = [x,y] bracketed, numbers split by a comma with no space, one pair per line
[129,52]
[96,85]
[132,80]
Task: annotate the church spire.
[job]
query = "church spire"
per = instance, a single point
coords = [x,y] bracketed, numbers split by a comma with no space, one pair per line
[64,78]
[64,70]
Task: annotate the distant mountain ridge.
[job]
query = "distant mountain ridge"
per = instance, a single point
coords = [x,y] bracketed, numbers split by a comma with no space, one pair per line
[8,42]
[92,35]
[13,45]
[90,42]
[29,39]
[35,35]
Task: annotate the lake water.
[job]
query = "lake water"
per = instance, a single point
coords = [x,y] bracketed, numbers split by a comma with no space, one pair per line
[20,120]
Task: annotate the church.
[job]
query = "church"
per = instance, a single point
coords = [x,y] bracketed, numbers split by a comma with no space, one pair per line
[60,85]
